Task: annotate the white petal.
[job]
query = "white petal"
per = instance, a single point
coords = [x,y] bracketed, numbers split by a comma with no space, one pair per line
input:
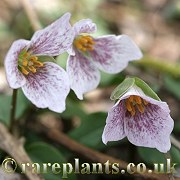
[14,77]
[54,39]
[114,129]
[84,26]
[151,128]
[71,51]
[48,88]
[112,53]
[83,75]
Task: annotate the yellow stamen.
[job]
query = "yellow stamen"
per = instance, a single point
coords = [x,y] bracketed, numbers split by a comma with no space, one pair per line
[145,102]
[28,63]
[84,43]
[32,69]
[88,38]
[131,98]
[33,58]
[134,103]
[83,40]
[140,108]
[35,61]
[24,71]
[26,55]
[83,49]
[25,62]
[78,45]
[138,99]
[38,64]
[128,105]
[133,112]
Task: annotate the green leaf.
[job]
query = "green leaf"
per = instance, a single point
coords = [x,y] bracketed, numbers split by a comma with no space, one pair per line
[176,127]
[111,79]
[106,79]
[152,156]
[5,109]
[22,104]
[122,88]
[90,131]
[32,136]
[172,86]
[73,109]
[41,153]
[146,89]
[175,154]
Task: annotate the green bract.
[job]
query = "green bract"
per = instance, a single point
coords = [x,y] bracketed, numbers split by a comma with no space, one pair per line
[129,82]
[146,89]
[122,88]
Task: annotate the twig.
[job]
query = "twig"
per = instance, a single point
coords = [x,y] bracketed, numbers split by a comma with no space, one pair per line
[31,13]
[15,149]
[59,137]
[175,142]
[13,110]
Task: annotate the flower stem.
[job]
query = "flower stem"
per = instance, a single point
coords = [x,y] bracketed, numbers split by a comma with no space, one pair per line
[13,110]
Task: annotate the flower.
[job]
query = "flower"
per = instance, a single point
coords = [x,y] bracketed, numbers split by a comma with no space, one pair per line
[45,84]
[144,120]
[109,53]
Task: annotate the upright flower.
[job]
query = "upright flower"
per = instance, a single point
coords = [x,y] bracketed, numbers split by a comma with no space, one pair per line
[45,84]
[109,53]
[144,120]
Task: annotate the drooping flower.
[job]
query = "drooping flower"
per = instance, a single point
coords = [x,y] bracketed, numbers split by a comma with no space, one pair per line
[109,53]
[144,120]
[45,84]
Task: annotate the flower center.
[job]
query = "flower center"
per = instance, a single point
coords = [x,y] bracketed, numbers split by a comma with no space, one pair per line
[134,103]
[84,43]
[28,63]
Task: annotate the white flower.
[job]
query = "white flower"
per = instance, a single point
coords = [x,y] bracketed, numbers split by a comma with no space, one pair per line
[109,53]
[45,84]
[144,120]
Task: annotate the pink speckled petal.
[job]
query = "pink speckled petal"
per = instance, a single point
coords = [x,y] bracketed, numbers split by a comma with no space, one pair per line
[151,128]
[14,77]
[112,53]
[48,88]
[114,129]
[84,26]
[54,39]
[83,75]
